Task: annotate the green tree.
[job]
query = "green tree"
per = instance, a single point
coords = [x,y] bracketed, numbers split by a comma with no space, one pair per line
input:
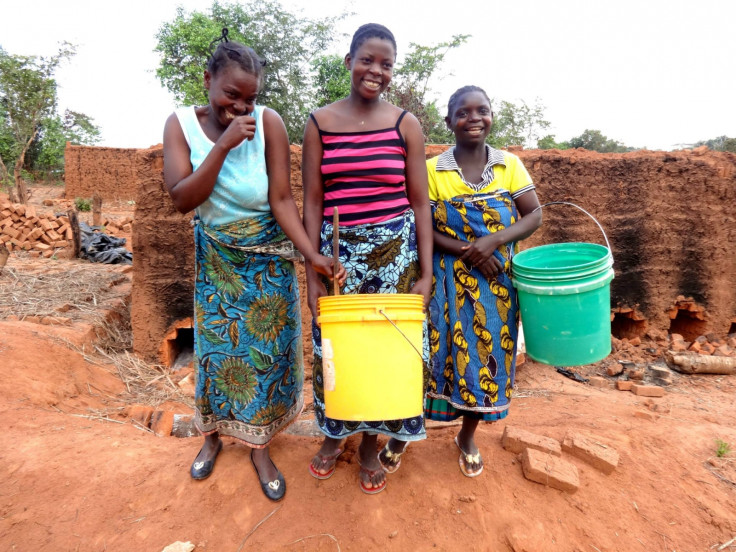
[28,96]
[287,41]
[46,154]
[594,140]
[332,79]
[410,86]
[517,124]
[549,142]
[722,143]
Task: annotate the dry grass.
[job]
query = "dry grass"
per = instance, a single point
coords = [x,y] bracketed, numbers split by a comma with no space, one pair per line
[72,290]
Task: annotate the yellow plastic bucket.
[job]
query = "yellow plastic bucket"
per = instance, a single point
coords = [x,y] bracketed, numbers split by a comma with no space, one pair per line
[371,360]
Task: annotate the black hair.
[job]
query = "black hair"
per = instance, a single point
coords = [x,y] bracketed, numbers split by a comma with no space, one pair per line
[234,52]
[459,93]
[371,30]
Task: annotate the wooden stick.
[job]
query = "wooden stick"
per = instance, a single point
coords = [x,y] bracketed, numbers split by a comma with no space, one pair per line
[76,240]
[335,249]
[4,254]
[96,210]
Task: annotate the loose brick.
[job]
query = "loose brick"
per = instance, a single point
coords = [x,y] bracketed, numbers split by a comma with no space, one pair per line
[10,231]
[591,450]
[162,422]
[597,381]
[614,369]
[53,235]
[140,413]
[35,233]
[42,246]
[48,202]
[46,239]
[635,342]
[127,228]
[61,244]
[645,415]
[636,375]
[48,254]
[550,470]
[516,440]
[647,390]
[624,385]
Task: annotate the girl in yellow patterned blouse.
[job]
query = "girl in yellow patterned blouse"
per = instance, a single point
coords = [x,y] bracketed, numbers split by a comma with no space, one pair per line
[483,202]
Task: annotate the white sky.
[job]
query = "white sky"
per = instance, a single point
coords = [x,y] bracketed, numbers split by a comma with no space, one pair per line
[650,73]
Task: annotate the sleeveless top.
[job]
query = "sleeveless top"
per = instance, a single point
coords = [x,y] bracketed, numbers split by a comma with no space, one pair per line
[241,189]
[364,174]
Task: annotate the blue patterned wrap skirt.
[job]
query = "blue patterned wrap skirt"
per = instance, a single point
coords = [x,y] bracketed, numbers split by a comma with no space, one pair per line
[379,258]
[473,322]
[247,327]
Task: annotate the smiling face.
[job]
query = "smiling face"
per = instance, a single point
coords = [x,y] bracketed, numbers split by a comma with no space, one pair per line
[232,91]
[371,68]
[471,118]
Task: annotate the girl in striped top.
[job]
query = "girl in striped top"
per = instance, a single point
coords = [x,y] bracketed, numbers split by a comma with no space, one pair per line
[366,157]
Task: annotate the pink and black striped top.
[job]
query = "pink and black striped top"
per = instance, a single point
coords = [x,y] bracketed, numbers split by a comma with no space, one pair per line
[364,174]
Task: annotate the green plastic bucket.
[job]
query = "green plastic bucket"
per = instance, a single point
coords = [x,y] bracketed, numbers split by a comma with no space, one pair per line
[564,294]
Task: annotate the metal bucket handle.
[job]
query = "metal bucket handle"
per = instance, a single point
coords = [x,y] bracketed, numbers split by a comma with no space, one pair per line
[402,333]
[605,237]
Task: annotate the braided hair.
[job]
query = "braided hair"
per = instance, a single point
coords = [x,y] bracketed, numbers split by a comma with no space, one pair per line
[459,94]
[368,31]
[234,52]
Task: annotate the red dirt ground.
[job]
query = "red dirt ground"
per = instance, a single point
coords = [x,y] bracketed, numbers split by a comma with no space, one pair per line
[72,482]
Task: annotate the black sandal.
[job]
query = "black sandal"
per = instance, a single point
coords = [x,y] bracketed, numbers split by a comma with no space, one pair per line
[274,490]
[202,470]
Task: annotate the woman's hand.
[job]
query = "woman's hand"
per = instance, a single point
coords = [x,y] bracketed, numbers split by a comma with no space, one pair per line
[241,128]
[315,290]
[423,287]
[325,265]
[480,254]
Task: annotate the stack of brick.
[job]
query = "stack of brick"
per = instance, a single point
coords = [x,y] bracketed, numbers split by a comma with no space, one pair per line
[118,226]
[705,345]
[21,229]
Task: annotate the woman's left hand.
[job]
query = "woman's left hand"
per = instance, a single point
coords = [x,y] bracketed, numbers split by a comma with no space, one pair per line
[480,250]
[423,287]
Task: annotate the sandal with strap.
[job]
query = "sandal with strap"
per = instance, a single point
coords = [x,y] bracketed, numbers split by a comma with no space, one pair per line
[328,460]
[466,459]
[371,474]
[390,460]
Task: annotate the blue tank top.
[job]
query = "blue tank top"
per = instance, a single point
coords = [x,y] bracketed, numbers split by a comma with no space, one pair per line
[241,190]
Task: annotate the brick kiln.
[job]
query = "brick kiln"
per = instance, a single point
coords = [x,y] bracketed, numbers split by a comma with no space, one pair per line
[670,218]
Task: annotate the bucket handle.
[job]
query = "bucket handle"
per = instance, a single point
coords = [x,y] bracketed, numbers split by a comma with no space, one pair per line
[605,237]
[402,333]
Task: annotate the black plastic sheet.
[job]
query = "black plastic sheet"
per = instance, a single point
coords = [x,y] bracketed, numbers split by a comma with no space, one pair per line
[99,247]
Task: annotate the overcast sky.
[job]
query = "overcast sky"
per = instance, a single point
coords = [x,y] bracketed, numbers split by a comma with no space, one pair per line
[649,73]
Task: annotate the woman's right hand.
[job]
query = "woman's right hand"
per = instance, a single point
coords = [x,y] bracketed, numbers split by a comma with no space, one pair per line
[241,128]
[315,290]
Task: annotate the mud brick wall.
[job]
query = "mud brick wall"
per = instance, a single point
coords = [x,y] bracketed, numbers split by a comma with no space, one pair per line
[163,259]
[670,218]
[110,172]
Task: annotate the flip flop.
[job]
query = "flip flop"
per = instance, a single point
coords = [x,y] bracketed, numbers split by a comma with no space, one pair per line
[466,459]
[370,474]
[390,460]
[329,459]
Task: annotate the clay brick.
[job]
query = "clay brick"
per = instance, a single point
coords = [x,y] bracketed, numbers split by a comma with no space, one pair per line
[10,231]
[140,413]
[516,440]
[42,246]
[61,244]
[635,341]
[30,211]
[636,375]
[679,346]
[695,346]
[62,229]
[63,220]
[46,239]
[162,422]
[723,350]
[624,385]
[614,369]
[127,228]
[53,235]
[69,234]
[34,253]
[591,450]
[56,321]
[645,415]
[707,349]
[20,209]
[550,470]
[48,254]
[597,381]
[6,222]
[661,372]
[112,229]
[35,233]
[647,390]
[45,224]
[48,202]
